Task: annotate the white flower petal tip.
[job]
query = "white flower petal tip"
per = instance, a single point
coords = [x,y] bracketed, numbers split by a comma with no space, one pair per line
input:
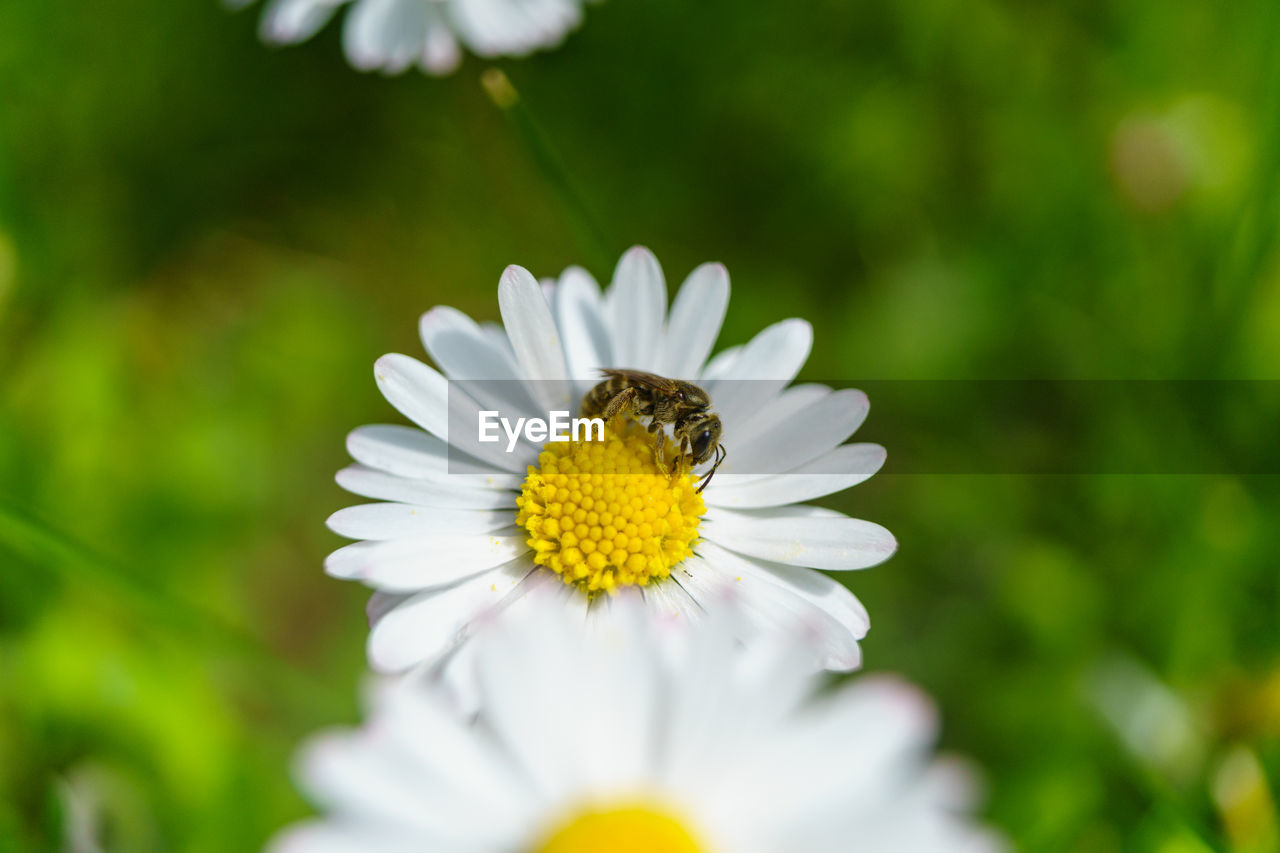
[444,319]
[904,700]
[293,21]
[533,334]
[834,543]
[416,390]
[637,305]
[516,276]
[639,254]
[777,352]
[695,320]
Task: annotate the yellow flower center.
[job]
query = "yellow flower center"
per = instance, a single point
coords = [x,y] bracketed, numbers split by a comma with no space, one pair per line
[621,830]
[602,515]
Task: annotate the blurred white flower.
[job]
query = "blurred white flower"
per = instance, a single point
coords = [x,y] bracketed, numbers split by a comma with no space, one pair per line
[1155,724]
[470,528]
[394,35]
[648,738]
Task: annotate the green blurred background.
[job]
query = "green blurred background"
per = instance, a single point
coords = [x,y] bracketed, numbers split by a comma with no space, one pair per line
[205,243]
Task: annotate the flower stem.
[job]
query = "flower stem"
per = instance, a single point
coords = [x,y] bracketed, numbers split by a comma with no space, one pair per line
[505,97]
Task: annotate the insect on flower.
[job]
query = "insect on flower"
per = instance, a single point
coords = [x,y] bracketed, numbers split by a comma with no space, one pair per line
[664,401]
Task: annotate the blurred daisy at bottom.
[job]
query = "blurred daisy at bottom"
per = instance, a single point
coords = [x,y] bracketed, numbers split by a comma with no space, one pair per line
[650,736]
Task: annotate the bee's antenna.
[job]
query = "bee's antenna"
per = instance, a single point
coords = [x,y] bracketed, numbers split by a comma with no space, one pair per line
[721,453]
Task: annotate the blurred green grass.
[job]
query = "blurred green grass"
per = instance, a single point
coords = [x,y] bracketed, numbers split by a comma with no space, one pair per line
[204,243]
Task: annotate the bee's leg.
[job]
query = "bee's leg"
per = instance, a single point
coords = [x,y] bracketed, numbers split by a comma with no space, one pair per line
[659,445]
[682,455]
[618,403]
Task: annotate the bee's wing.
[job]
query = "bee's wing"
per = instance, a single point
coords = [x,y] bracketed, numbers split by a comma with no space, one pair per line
[652,381]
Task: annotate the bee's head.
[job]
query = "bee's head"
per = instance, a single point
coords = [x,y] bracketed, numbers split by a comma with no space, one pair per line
[704,439]
[692,396]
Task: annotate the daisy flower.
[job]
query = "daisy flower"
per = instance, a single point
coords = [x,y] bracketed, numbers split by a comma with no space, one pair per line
[393,35]
[648,739]
[463,529]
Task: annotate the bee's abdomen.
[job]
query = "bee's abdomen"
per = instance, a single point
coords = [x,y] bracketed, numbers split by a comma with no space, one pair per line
[596,399]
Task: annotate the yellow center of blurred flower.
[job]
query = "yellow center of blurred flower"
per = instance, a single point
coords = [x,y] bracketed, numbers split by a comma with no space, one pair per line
[623,830]
[602,515]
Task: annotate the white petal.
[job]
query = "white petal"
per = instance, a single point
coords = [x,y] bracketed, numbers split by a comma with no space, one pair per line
[487,28]
[838,641]
[292,21]
[382,775]
[386,34]
[478,367]
[344,771]
[441,54]
[498,335]
[400,450]
[803,511]
[371,483]
[382,603]
[431,401]
[784,408]
[695,321]
[421,562]
[953,784]
[834,543]
[718,707]
[856,750]
[836,470]
[534,337]
[480,787]
[427,625]
[764,367]
[418,392]
[500,27]
[615,669]
[580,316]
[637,304]
[776,352]
[548,286]
[894,718]
[408,452]
[542,740]
[394,520]
[795,441]
[721,364]
[669,601]
[814,615]
[461,349]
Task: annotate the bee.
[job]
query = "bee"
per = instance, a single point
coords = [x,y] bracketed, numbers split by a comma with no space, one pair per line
[664,401]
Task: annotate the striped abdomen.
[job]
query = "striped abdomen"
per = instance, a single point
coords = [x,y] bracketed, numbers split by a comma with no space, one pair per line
[597,398]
